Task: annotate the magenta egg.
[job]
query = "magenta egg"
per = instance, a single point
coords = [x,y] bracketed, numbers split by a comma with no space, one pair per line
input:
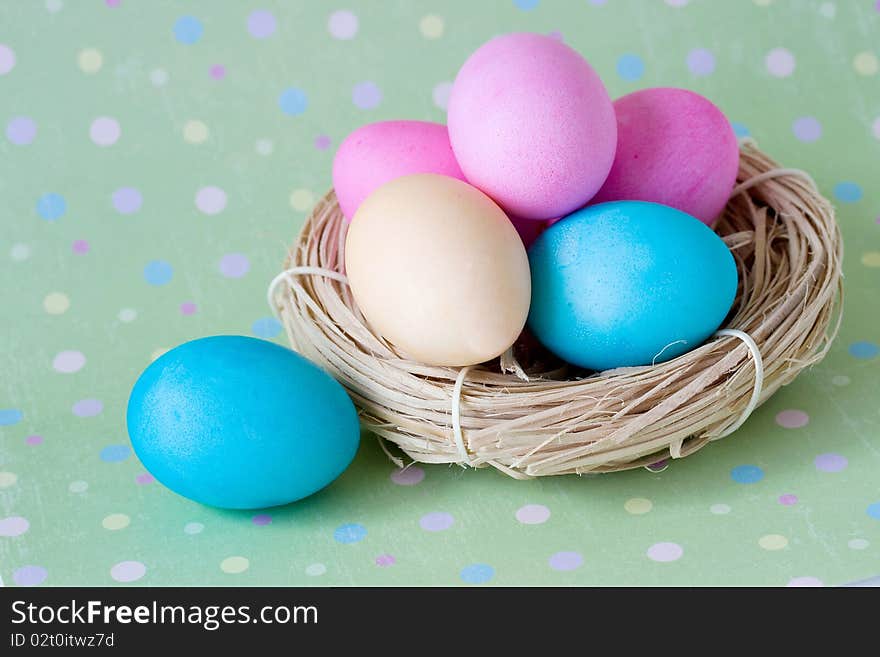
[531,125]
[673,147]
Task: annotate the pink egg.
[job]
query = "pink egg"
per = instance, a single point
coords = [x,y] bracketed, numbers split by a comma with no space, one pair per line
[673,147]
[532,125]
[380,152]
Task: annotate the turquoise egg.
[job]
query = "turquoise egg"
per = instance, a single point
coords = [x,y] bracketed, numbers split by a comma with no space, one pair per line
[628,283]
[241,423]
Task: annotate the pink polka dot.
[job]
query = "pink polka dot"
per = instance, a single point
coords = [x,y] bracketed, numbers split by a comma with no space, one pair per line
[565,561]
[555,34]
[788,499]
[145,478]
[128,571]
[218,71]
[34,440]
[105,131]
[385,560]
[80,247]
[436,521]
[805,581]
[211,200]
[664,552]
[831,462]
[322,142]
[187,308]
[88,407]
[13,526]
[234,265]
[261,519]
[409,476]
[533,514]
[68,362]
[113,3]
[792,419]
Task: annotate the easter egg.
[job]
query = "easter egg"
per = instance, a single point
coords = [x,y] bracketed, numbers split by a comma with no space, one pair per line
[628,283]
[241,423]
[379,152]
[438,270]
[673,147]
[531,125]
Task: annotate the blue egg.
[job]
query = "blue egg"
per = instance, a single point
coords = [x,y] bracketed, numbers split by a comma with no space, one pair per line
[628,283]
[241,423]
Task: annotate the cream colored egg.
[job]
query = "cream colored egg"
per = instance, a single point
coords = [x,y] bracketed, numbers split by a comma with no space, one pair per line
[438,270]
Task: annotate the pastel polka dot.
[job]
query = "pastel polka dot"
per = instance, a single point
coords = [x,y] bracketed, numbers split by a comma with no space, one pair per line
[68,361]
[431,26]
[440,94]
[780,63]
[805,582]
[847,192]
[871,259]
[773,542]
[385,560]
[863,350]
[630,67]
[828,9]
[127,315]
[740,130]
[54,6]
[676,3]
[261,519]
[874,510]
[301,200]
[323,142]
[436,521]
[12,526]
[210,200]
[638,506]
[105,131]
[29,575]
[128,571]
[261,24]
[144,478]
[875,128]
[188,30]
[526,5]
[217,71]
[7,59]
[188,308]
[349,533]
[264,146]
[159,77]
[195,132]
[115,453]
[80,247]
[21,130]
[807,129]
[342,25]
[366,95]
[788,499]
[78,487]
[127,200]
[7,479]
[533,514]
[565,561]
[33,440]
[56,303]
[266,327]
[156,353]
[831,462]
[477,573]
[719,509]
[866,63]
[234,265]
[90,60]
[762,3]
[193,528]
[20,252]
[293,101]
[700,62]
[87,407]
[408,476]
[858,544]
[747,474]
[792,419]
[315,569]
[51,207]
[840,380]
[665,552]
[115,521]
[158,272]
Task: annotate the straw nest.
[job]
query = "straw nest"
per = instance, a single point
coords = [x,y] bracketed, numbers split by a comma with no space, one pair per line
[527,414]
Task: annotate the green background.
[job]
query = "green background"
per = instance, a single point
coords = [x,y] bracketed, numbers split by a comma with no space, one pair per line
[52,524]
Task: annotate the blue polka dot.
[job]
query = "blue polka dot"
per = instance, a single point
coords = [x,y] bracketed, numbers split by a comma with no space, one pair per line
[51,206]
[188,30]
[526,5]
[739,129]
[351,533]
[9,416]
[863,350]
[847,192]
[115,453]
[477,573]
[747,474]
[266,327]
[874,510]
[293,101]
[158,272]
[630,67]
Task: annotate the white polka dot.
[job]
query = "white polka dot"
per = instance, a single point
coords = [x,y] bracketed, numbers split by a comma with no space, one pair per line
[7,59]
[234,565]
[866,63]
[69,361]
[533,514]
[828,9]
[54,6]
[128,571]
[840,380]
[78,486]
[440,94]
[56,303]
[431,26]
[115,521]
[664,552]
[264,146]
[342,25]
[193,528]
[676,3]
[105,131]
[316,569]
[20,252]
[211,200]
[159,77]
[90,60]
[127,315]
[773,542]
[762,3]
[805,581]
[195,132]
[301,200]
[858,544]
[7,479]
[875,128]
[719,509]
[780,63]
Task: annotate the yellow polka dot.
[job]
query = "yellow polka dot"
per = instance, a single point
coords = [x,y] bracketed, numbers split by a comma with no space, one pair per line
[90,60]
[871,259]
[116,521]
[431,27]
[866,63]
[195,132]
[56,303]
[762,3]
[234,565]
[301,200]
[638,505]
[7,479]
[773,542]
[158,352]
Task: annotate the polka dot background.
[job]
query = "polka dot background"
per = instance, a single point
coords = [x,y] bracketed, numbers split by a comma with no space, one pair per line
[154,203]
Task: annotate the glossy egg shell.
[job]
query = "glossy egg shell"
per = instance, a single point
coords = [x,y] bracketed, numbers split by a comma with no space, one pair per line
[628,283]
[673,147]
[379,152]
[241,423]
[532,125]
